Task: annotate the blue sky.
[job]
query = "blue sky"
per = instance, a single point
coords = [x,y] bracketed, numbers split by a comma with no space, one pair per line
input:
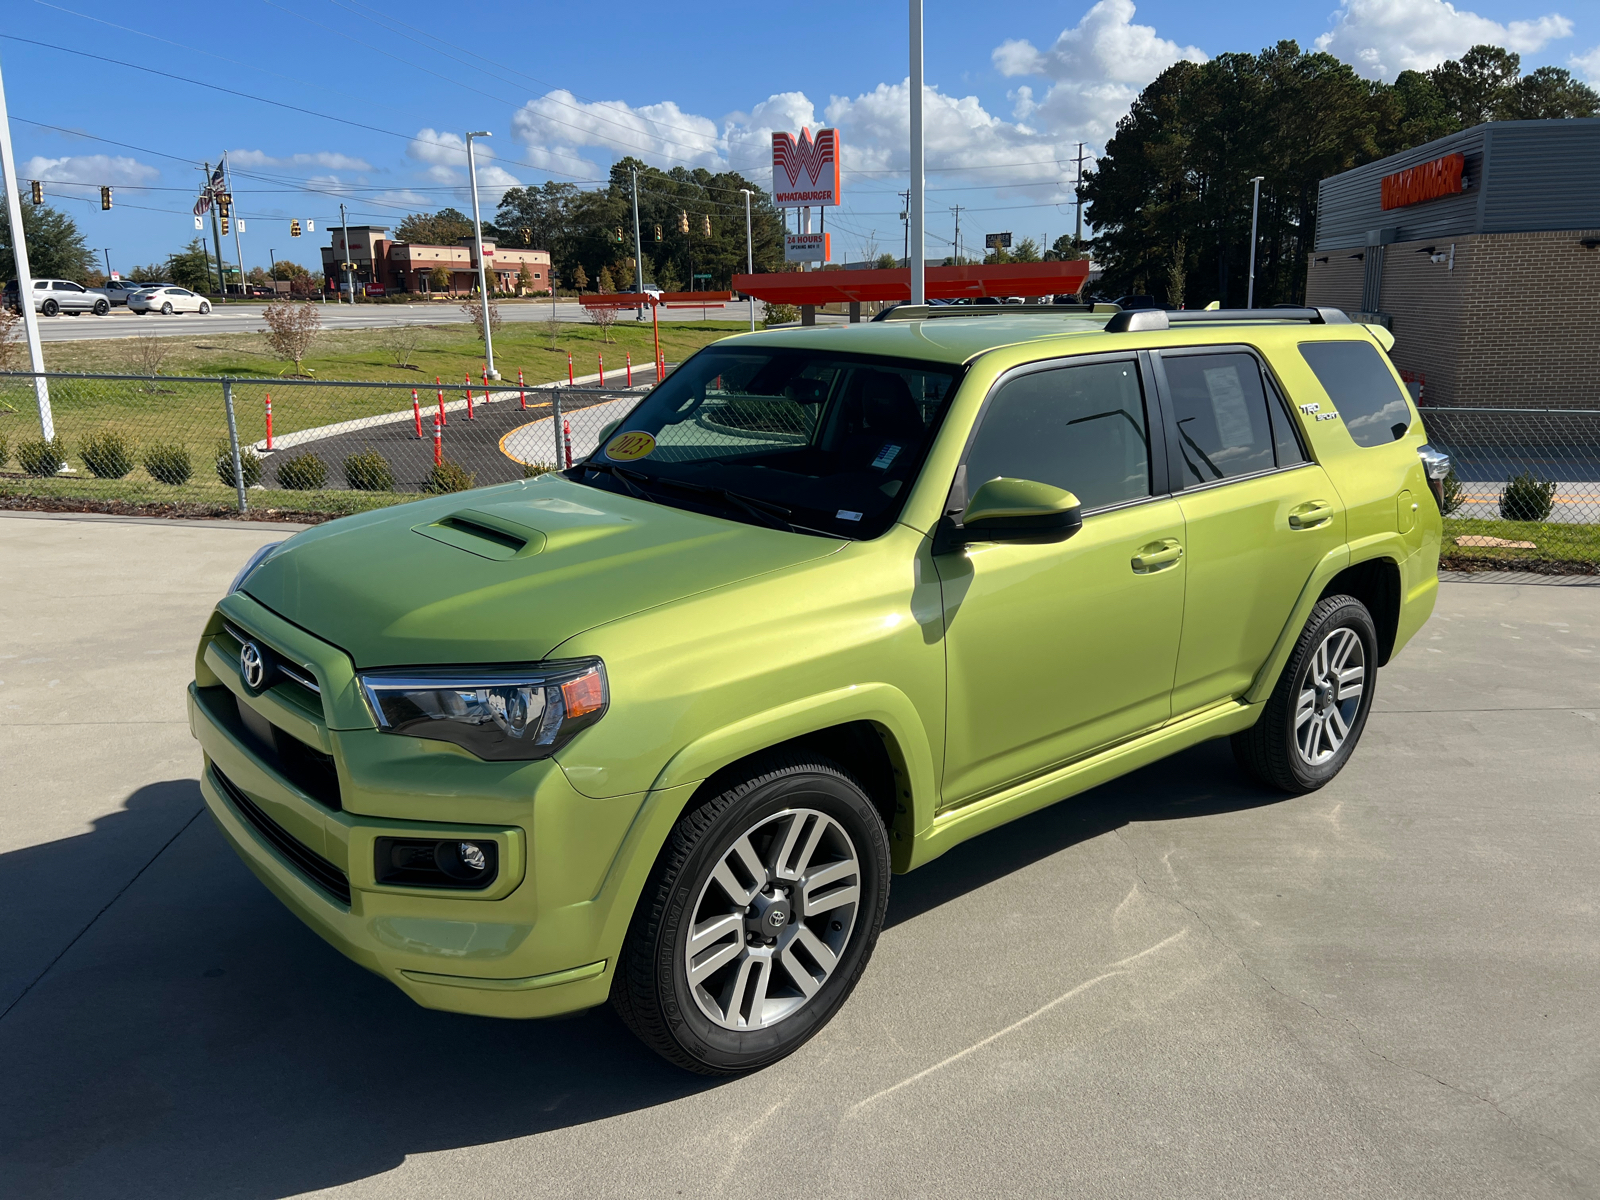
[568,88]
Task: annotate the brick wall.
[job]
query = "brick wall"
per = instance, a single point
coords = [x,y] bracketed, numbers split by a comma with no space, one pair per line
[1425,301]
[1335,283]
[1530,322]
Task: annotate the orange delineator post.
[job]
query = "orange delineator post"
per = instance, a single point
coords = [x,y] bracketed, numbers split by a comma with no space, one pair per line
[569,368]
[269,420]
[443,420]
[602,368]
[630,368]
[521,391]
[468,378]
[438,441]
[416,413]
[566,432]
[486,383]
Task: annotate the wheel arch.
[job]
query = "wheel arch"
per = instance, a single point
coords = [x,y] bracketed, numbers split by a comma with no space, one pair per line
[1376,583]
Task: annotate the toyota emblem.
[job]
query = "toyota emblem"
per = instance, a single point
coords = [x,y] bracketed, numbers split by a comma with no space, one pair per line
[252,666]
[777,917]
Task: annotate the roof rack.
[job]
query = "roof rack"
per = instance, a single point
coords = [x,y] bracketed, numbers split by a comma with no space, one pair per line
[1150,320]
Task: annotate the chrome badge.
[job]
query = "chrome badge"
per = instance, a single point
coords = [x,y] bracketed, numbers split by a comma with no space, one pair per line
[252,666]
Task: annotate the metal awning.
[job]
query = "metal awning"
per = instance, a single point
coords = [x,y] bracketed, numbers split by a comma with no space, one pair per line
[941,283]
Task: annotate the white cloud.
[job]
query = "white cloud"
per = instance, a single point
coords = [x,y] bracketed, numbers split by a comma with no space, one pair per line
[557,124]
[1381,38]
[88,170]
[445,155]
[1587,64]
[326,159]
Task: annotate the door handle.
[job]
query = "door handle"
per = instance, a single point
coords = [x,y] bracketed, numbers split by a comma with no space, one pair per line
[1310,514]
[1157,555]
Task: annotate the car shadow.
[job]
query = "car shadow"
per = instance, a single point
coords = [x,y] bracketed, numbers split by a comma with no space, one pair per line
[198,1040]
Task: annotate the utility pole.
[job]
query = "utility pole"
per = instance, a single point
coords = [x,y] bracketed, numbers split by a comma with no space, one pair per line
[238,252]
[19,249]
[749,254]
[914,230]
[1077,197]
[477,239]
[1255,207]
[638,247]
[956,208]
[347,262]
[216,236]
[106,250]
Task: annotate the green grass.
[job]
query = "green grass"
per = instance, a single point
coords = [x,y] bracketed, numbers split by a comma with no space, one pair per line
[201,496]
[1576,545]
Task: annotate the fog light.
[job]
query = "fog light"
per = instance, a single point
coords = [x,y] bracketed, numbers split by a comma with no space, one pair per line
[432,863]
[471,855]
[464,861]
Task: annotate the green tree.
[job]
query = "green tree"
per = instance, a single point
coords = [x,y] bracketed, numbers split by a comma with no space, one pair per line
[1474,87]
[580,278]
[439,279]
[1546,94]
[284,269]
[443,228]
[192,267]
[886,262]
[1064,249]
[56,250]
[1025,251]
[152,273]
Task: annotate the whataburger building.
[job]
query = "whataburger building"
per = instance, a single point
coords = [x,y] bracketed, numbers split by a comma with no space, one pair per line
[1481,251]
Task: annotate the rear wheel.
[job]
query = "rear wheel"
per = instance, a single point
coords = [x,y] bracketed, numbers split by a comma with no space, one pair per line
[758,919]
[1316,714]
[50,308]
[166,309]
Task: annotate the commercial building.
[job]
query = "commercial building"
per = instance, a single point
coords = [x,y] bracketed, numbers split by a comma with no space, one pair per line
[384,267]
[1481,252]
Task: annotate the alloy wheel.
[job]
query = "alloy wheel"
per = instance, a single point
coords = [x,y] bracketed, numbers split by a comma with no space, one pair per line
[772,920]
[1330,696]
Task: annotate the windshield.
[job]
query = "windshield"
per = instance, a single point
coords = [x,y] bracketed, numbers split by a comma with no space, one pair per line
[819,442]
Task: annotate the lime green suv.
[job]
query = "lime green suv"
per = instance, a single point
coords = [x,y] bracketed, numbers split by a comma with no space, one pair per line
[658,728]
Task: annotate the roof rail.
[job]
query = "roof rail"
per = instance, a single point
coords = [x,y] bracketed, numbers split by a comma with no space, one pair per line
[1149,320]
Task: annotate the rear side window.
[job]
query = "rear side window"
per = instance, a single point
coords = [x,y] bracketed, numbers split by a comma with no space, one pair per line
[1078,428]
[1362,389]
[1220,410]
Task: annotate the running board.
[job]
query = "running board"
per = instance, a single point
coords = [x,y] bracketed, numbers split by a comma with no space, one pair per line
[979,816]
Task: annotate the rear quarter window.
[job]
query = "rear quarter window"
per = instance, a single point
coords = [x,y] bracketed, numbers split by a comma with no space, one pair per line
[1362,389]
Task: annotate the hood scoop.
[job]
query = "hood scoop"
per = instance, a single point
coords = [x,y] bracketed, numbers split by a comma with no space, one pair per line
[486,534]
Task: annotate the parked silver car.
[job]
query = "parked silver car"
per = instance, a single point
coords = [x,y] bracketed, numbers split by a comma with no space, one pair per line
[54,296]
[118,290]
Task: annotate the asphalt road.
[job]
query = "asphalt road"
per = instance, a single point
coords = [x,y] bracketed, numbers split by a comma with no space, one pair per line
[246,318]
[1176,985]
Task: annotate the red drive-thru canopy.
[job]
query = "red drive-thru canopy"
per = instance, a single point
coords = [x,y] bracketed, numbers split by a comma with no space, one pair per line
[940,283]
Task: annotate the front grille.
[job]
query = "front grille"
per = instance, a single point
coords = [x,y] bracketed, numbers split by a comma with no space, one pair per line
[316,869]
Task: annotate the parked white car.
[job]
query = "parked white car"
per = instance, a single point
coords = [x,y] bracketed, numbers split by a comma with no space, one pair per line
[167,300]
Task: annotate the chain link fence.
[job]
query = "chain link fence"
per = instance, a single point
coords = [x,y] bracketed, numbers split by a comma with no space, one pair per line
[212,439]
[1518,464]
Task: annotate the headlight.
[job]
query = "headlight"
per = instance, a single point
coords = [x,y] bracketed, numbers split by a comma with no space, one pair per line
[497,713]
[256,559]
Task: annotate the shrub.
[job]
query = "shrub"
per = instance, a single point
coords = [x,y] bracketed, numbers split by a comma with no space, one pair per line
[5,450]
[534,470]
[168,462]
[1453,498]
[42,458]
[449,477]
[249,465]
[780,314]
[108,454]
[1527,498]
[369,471]
[302,473]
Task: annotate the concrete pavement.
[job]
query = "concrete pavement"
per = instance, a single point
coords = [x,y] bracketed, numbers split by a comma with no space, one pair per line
[246,318]
[1175,985]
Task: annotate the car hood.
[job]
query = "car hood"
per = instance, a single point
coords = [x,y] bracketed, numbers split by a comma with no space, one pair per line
[506,574]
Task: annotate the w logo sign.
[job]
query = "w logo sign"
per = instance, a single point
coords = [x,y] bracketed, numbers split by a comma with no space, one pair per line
[805,172]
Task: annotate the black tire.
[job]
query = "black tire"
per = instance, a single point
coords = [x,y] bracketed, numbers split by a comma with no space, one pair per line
[651,989]
[102,307]
[1273,750]
[204,308]
[166,309]
[49,308]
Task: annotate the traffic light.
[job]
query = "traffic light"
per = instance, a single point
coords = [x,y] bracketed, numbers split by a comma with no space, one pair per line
[683,221]
[224,224]
[707,229]
[105,199]
[38,192]
[658,231]
[294,228]
[618,233]
[225,203]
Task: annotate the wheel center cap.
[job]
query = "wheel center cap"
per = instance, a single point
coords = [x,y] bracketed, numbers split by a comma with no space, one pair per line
[768,915]
[1324,697]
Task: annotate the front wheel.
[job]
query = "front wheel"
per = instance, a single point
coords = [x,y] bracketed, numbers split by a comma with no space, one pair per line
[1315,716]
[759,918]
[102,307]
[204,308]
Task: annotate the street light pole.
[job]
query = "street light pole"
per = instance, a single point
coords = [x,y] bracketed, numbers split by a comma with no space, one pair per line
[914,231]
[1255,207]
[19,249]
[638,247]
[346,263]
[477,239]
[749,254]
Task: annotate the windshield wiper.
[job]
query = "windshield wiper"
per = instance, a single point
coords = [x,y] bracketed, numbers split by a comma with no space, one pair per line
[772,515]
[628,479]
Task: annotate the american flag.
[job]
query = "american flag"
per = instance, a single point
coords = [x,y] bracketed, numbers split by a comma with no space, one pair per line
[210,192]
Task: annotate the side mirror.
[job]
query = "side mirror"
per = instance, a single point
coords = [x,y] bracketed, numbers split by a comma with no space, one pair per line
[1020,510]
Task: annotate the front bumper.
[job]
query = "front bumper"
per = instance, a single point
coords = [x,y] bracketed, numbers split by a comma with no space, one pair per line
[539,940]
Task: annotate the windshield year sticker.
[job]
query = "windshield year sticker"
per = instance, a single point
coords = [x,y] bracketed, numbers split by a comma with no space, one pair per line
[844,514]
[626,447]
[886,456]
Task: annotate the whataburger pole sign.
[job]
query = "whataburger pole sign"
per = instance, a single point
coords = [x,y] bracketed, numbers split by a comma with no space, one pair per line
[805,171]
